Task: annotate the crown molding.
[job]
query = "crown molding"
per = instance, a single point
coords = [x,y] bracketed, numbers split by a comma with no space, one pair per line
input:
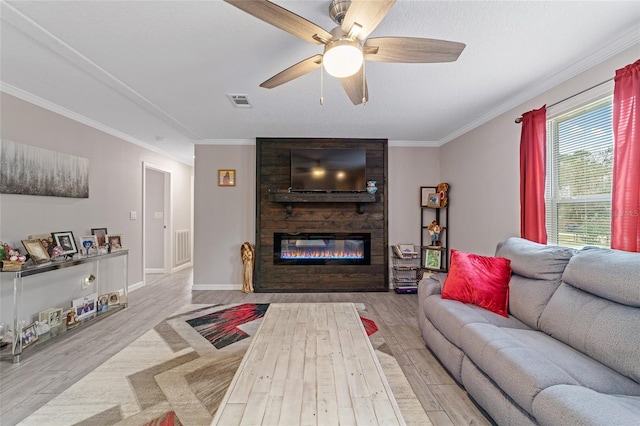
[57,109]
[413,144]
[234,142]
[393,144]
[625,41]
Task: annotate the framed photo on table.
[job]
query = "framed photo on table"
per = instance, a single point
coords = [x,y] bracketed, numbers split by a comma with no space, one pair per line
[115,242]
[424,195]
[66,241]
[36,251]
[89,244]
[46,240]
[226,177]
[52,316]
[28,336]
[101,236]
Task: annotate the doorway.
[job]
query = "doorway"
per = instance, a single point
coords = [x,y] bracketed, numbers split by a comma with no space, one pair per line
[156,216]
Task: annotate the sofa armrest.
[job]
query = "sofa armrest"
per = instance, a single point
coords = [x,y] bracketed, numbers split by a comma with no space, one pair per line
[567,404]
[433,284]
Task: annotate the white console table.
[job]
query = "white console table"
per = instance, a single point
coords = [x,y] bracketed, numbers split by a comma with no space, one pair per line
[15,350]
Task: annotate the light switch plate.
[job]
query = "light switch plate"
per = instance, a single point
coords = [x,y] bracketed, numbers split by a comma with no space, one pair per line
[133,215]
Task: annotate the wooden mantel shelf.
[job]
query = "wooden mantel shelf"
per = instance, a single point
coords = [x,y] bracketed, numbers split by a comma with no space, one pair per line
[288,198]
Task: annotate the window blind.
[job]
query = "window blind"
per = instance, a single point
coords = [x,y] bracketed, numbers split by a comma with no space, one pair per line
[579,175]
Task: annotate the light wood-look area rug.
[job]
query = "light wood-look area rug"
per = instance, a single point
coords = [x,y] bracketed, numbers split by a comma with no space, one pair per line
[178,372]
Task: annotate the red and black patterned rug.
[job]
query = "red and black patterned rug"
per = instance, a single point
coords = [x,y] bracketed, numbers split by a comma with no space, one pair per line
[178,372]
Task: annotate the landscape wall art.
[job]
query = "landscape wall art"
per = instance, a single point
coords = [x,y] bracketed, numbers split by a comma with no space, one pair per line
[30,170]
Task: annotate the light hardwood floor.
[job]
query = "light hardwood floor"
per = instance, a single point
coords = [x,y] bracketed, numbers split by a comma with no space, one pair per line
[46,372]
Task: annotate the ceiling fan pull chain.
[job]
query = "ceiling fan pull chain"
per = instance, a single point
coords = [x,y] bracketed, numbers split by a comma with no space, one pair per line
[321,85]
[364,85]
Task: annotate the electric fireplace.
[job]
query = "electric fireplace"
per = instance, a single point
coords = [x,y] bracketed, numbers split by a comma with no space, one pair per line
[322,249]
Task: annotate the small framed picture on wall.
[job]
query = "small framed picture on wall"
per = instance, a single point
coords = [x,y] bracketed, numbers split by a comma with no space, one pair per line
[226,177]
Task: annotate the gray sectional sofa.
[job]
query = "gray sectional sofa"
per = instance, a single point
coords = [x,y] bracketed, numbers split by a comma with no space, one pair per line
[568,354]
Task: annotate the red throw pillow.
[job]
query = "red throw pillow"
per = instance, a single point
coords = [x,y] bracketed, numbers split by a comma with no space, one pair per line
[480,280]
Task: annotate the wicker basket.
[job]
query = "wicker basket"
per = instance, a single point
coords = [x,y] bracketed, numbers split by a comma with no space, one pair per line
[11,265]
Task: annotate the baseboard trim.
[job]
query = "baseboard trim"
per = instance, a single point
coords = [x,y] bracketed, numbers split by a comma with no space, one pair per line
[136,286]
[154,271]
[181,267]
[198,287]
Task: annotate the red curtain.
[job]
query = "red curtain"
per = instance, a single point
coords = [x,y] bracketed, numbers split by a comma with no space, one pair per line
[533,150]
[625,203]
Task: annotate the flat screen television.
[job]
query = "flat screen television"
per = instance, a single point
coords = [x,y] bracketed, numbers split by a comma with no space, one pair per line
[328,169]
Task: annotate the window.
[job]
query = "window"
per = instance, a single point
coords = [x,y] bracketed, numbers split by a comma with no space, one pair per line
[579,175]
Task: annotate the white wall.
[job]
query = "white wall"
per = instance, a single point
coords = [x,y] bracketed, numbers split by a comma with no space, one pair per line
[483,166]
[409,169]
[115,182]
[224,216]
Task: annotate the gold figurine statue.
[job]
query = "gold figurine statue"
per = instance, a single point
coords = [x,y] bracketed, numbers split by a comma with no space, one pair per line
[248,254]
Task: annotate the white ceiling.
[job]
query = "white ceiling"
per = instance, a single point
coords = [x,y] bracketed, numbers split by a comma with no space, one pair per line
[149,70]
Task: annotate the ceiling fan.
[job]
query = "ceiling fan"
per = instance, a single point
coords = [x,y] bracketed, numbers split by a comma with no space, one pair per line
[347,46]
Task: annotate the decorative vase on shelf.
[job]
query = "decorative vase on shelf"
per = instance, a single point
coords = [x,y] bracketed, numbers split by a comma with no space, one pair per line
[371,187]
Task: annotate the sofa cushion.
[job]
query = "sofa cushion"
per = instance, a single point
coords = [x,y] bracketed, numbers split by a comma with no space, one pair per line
[524,362]
[572,405]
[481,280]
[533,260]
[450,316]
[537,270]
[449,355]
[502,409]
[528,297]
[612,274]
[602,329]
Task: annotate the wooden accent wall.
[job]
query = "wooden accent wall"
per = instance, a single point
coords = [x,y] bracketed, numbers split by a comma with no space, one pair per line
[273,157]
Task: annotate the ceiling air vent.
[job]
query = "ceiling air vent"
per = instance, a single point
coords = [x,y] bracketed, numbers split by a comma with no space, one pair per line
[240,101]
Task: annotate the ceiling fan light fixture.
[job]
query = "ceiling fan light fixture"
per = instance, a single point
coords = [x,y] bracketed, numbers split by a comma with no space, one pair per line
[342,57]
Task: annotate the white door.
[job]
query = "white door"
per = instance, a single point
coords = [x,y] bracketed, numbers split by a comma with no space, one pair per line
[155,221]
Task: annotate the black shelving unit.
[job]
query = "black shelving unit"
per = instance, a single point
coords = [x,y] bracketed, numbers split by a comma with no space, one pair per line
[440,215]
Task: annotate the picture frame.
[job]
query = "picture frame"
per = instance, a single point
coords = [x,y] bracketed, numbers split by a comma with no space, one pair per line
[424,195]
[28,335]
[433,200]
[226,177]
[101,236]
[37,252]
[46,240]
[433,259]
[115,242]
[85,306]
[103,303]
[114,298]
[66,241]
[89,245]
[52,316]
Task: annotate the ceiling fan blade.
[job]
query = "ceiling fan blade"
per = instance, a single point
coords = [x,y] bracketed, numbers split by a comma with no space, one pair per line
[294,71]
[282,18]
[367,14]
[353,85]
[412,50]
